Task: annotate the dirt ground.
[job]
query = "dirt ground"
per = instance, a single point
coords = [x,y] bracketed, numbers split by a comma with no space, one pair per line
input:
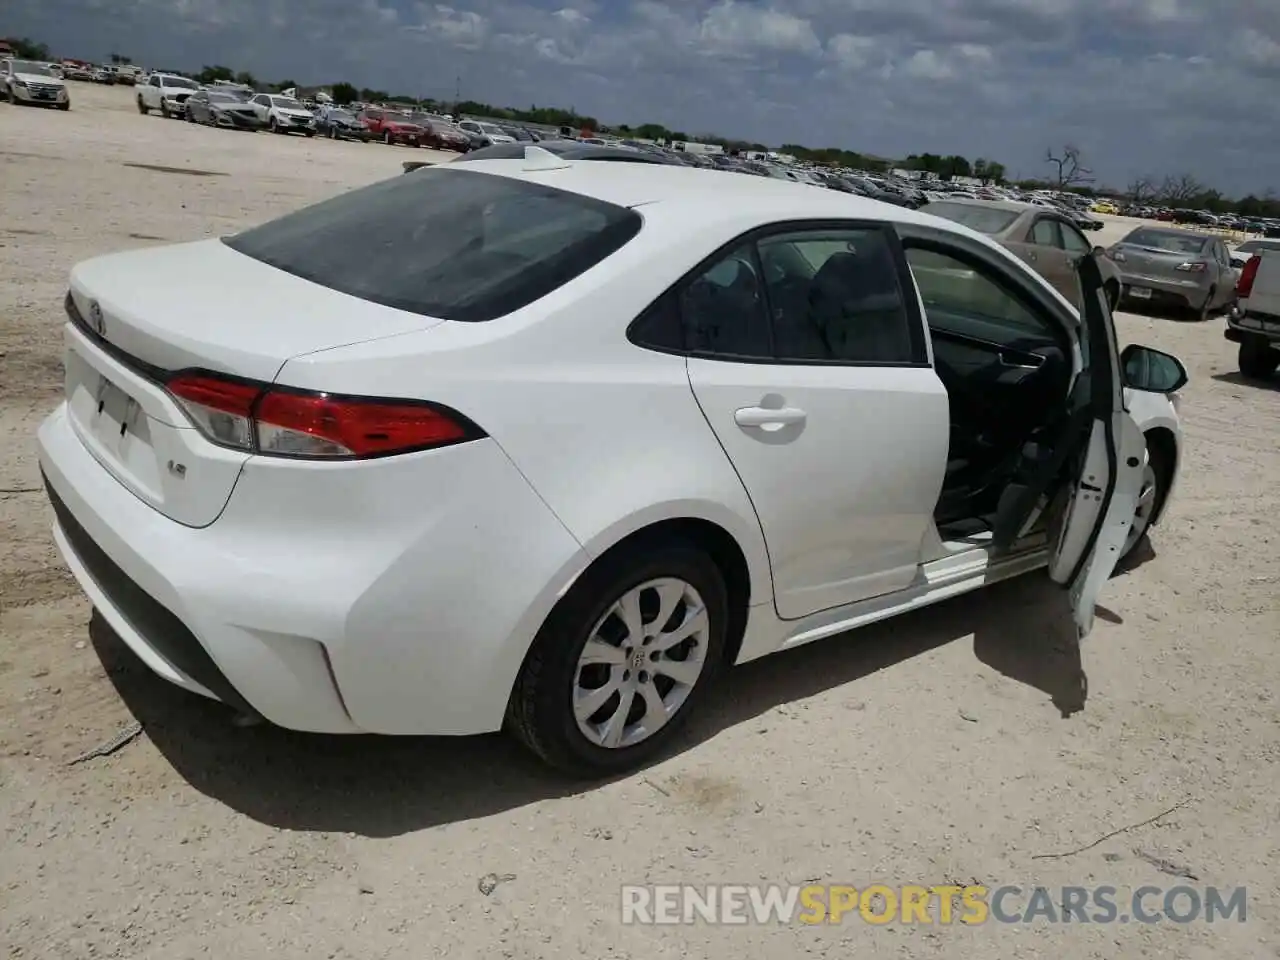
[952,745]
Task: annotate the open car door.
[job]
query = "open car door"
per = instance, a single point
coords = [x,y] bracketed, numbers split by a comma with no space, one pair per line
[1104,448]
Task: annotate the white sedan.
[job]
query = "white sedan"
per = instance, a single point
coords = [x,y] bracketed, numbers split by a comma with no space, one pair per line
[551,468]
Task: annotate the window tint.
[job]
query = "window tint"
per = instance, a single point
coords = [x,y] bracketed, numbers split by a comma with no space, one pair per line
[1045,233]
[1074,240]
[444,243]
[951,287]
[834,295]
[723,309]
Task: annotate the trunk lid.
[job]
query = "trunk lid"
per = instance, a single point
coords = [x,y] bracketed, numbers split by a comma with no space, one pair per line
[1157,261]
[139,316]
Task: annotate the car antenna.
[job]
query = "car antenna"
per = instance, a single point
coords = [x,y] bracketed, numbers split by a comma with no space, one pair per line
[539,158]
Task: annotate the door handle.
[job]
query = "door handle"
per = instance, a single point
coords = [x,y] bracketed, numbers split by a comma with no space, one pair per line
[766,417]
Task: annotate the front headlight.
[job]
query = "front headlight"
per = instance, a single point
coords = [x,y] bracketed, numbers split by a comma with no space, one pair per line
[20,83]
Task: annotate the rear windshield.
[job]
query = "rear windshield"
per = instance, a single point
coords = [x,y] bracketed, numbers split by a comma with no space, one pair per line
[1160,240]
[982,219]
[454,244]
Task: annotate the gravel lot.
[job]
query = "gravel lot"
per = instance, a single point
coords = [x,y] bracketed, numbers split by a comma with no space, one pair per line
[947,746]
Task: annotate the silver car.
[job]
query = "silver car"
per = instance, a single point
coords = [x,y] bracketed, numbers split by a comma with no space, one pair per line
[1045,237]
[1182,269]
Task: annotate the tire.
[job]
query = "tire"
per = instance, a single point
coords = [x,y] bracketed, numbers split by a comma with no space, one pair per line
[164,110]
[272,125]
[541,711]
[1205,312]
[1112,290]
[308,134]
[1156,477]
[13,97]
[1258,359]
[142,107]
[64,107]
[333,133]
[386,138]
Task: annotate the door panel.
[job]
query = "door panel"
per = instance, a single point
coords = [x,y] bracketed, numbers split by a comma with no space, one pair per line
[844,479]
[809,365]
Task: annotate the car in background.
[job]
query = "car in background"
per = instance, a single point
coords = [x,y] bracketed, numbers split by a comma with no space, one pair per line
[1085,220]
[441,134]
[1240,254]
[1046,238]
[391,127]
[490,132]
[221,108]
[166,93]
[1180,269]
[338,123]
[281,114]
[127,74]
[359,396]
[30,82]
[1255,323]
[566,150]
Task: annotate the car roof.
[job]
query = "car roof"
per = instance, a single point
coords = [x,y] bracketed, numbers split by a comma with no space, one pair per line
[708,195]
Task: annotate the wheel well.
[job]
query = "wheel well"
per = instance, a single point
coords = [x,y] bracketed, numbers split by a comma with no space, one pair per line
[1163,449]
[723,549]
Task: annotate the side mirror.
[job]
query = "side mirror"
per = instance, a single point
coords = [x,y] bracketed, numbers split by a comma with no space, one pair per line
[1152,370]
[1099,251]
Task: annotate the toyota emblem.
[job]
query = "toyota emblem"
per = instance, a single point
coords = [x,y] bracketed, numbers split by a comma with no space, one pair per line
[96,320]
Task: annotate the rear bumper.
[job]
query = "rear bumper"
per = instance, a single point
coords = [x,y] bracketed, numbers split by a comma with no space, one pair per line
[1183,293]
[1246,326]
[383,597]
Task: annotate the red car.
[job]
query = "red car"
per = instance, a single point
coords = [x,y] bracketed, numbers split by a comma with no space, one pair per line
[390,127]
[439,133]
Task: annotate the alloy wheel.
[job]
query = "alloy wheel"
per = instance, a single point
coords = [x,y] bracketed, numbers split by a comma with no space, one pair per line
[640,663]
[1148,497]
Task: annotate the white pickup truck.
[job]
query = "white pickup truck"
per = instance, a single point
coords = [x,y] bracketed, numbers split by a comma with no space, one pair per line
[1255,323]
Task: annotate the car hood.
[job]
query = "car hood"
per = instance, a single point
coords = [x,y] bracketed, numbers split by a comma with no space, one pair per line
[293,112]
[37,78]
[401,125]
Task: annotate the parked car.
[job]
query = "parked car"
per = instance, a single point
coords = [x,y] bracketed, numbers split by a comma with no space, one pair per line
[337,123]
[491,133]
[1181,269]
[1255,323]
[566,149]
[440,133]
[1240,255]
[1045,237]
[29,82]
[1086,220]
[391,127]
[351,416]
[220,108]
[166,93]
[281,114]
[127,74]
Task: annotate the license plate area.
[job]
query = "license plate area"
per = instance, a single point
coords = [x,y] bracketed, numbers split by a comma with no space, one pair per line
[1140,293]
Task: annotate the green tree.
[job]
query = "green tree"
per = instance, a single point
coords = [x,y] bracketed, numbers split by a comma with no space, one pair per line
[344,93]
[27,49]
[247,79]
[209,74]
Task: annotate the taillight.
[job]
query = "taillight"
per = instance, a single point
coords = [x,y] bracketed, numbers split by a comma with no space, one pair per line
[282,422]
[1192,266]
[1248,273]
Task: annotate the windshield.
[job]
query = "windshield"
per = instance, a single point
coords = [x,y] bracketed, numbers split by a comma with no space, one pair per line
[30,66]
[181,82]
[508,242]
[341,115]
[492,129]
[287,102]
[1162,240]
[975,217]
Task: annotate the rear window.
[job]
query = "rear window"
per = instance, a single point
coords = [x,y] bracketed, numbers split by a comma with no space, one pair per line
[982,219]
[454,244]
[1172,242]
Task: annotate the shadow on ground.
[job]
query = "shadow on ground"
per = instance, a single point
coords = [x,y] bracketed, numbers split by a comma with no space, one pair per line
[385,786]
[1238,379]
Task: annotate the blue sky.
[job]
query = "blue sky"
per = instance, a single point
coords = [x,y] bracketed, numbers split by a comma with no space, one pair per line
[1141,86]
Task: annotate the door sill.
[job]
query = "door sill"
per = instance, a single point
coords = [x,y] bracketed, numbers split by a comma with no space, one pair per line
[968,568]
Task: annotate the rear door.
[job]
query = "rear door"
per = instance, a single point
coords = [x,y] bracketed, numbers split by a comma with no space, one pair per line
[811,367]
[1049,256]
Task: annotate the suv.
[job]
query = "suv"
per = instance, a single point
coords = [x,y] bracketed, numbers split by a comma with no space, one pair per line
[391,127]
[166,93]
[30,82]
[1255,322]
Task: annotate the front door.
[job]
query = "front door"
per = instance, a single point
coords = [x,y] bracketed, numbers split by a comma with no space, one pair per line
[811,367]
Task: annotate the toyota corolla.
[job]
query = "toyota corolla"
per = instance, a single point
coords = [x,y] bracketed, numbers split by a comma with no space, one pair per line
[546,444]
